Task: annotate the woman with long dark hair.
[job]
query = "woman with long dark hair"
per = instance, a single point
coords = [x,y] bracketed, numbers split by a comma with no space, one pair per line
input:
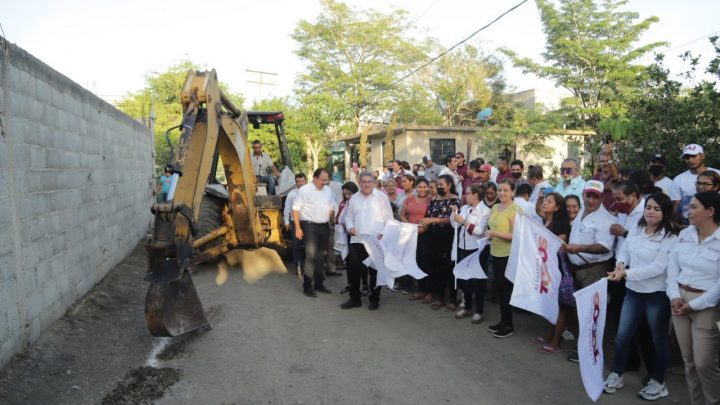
[642,260]
[413,211]
[693,286]
[557,221]
[440,234]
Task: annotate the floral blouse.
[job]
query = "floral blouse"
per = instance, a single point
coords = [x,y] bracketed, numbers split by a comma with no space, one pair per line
[442,208]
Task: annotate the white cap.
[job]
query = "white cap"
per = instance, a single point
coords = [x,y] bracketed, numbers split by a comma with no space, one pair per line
[594,186]
[692,149]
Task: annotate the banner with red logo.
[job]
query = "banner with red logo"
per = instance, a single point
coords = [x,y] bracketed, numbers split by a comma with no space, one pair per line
[592,310]
[536,271]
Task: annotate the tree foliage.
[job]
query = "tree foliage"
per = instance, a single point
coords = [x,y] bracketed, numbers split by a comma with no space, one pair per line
[591,51]
[462,83]
[353,57]
[159,100]
[669,116]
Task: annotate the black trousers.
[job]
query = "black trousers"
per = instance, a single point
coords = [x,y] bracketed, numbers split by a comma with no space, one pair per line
[355,270]
[475,288]
[504,288]
[422,256]
[315,239]
[441,276]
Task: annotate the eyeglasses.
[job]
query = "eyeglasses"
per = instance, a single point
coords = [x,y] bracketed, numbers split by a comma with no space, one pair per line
[704,184]
[566,170]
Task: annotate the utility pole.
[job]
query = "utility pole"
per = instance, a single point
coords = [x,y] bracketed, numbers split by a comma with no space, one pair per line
[260,81]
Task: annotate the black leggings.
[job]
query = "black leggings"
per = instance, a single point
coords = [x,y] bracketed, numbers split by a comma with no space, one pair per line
[503,288]
[475,287]
[440,262]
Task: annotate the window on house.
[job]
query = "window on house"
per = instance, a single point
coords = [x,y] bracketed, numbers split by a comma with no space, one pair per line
[441,148]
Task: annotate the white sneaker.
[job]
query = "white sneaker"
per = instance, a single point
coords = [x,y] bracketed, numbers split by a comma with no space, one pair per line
[613,383]
[653,391]
[567,335]
[463,313]
[477,318]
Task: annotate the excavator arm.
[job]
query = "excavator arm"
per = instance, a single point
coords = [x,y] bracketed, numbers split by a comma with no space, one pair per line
[212,130]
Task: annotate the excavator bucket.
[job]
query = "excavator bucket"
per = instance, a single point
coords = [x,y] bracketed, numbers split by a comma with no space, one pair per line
[174,308]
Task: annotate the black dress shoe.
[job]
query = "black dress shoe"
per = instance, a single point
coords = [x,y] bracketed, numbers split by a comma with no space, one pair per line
[333,274]
[309,292]
[373,305]
[323,290]
[350,304]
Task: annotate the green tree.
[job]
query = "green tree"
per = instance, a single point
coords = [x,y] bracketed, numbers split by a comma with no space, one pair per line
[591,51]
[353,57]
[161,98]
[669,116]
[462,83]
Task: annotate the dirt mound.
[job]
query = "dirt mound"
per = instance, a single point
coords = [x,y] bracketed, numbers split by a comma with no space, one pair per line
[142,385]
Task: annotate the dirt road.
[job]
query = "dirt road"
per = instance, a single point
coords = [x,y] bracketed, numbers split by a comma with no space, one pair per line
[272,345]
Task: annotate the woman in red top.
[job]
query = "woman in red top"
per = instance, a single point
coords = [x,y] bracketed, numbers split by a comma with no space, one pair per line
[414,210]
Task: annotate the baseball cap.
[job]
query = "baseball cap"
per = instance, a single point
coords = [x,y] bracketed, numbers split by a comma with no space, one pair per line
[658,157]
[692,149]
[594,186]
[427,158]
[462,155]
[485,168]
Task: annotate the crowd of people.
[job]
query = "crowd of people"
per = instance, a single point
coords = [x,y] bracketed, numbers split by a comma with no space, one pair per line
[656,240]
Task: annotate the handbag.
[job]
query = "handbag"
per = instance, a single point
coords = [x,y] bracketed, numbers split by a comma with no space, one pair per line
[567,283]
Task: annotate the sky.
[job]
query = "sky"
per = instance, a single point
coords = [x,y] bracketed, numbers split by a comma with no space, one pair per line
[110,46]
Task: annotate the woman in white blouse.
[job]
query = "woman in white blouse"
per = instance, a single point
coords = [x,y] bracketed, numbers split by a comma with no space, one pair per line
[470,222]
[642,260]
[693,285]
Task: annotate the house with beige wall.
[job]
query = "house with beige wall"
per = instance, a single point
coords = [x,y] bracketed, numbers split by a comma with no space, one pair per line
[412,142]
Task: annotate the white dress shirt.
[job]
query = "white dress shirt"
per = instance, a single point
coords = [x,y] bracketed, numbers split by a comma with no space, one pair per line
[630,222]
[476,220]
[287,211]
[367,214]
[646,259]
[314,205]
[593,229]
[696,265]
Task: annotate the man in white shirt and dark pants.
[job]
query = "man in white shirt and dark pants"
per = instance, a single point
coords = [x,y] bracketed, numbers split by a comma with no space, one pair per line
[297,246]
[313,209]
[367,212]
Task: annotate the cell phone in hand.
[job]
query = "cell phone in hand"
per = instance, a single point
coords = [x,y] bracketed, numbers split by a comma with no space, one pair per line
[547,190]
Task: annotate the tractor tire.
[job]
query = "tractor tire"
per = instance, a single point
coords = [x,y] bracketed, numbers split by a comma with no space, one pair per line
[210,218]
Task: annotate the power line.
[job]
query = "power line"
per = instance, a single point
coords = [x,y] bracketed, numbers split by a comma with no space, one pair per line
[421,15]
[682,45]
[458,44]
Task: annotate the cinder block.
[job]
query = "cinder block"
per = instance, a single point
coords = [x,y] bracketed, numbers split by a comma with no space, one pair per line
[6,243]
[7,268]
[38,158]
[34,302]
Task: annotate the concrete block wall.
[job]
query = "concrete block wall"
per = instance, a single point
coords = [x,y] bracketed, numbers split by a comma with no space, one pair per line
[76,179]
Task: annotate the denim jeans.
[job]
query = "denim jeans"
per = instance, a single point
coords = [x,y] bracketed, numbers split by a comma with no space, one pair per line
[656,306]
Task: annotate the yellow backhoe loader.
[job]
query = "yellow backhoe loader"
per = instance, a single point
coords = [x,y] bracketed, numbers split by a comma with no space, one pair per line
[202,219]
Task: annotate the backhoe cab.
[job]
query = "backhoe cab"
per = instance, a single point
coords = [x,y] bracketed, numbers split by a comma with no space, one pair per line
[202,218]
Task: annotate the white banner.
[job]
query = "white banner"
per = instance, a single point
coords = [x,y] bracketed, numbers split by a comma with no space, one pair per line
[592,310]
[393,256]
[537,269]
[470,267]
[341,241]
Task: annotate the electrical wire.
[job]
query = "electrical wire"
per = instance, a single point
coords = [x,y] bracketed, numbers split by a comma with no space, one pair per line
[458,44]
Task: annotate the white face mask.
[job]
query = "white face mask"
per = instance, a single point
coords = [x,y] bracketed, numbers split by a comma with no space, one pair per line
[421,173]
